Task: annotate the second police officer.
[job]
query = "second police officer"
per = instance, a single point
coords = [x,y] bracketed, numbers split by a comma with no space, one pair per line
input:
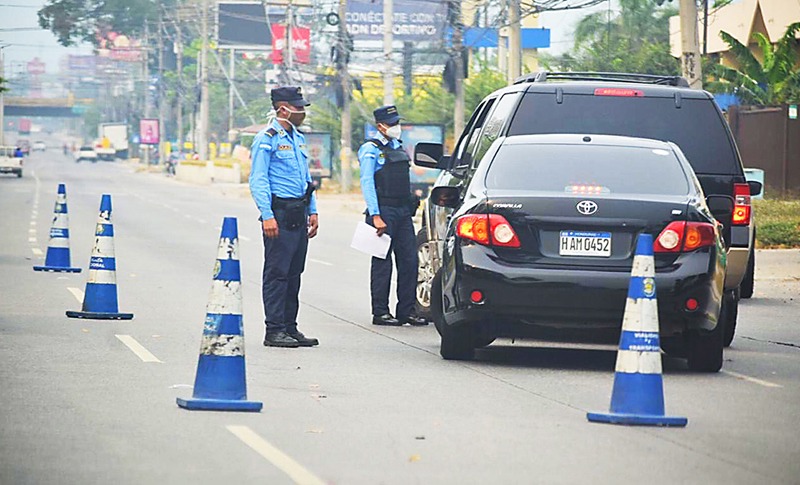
[386,185]
[280,183]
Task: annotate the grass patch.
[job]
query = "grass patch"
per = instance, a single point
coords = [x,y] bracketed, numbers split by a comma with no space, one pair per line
[777,223]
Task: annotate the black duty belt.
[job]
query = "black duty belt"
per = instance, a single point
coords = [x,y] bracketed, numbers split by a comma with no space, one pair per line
[284,202]
[394,201]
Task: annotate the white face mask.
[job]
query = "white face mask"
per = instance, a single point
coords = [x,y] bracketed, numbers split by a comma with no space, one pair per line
[395,131]
[292,112]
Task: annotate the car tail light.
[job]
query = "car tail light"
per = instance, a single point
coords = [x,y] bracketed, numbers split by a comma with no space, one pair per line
[741,208]
[691,304]
[627,93]
[487,229]
[476,296]
[684,236]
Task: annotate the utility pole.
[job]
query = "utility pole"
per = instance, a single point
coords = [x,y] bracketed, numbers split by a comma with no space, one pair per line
[514,42]
[289,38]
[691,68]
[2,98]
[388,69]
[231,74]
[345,153]
[146,75]
[202,141]
[458,64]
[179,90]
[162,106]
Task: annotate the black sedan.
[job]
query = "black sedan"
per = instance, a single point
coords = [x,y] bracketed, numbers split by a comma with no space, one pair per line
[542,238]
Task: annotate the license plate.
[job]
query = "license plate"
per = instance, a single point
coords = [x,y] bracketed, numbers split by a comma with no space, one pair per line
[583,243]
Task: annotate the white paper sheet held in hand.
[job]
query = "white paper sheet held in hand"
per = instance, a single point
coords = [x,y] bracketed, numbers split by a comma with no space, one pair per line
[366,240]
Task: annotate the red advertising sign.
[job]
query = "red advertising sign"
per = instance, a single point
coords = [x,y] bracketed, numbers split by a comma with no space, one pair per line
[148,131]
[36,67]
[301,44]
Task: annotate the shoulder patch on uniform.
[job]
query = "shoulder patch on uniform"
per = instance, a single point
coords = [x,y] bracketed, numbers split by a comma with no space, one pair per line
[265,145]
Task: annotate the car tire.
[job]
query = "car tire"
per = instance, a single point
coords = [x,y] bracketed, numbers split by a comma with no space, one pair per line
[425,276]
[728,315]
[19,174]
[704,350]
[457,343]
[748,282]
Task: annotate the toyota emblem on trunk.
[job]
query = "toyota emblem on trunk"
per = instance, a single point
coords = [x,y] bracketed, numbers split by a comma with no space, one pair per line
[586,207]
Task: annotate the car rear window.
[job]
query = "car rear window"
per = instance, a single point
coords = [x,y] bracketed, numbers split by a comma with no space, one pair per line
[696,127]
[587,169]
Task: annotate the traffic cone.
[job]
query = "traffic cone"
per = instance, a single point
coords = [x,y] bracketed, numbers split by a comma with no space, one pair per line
[57,258]
[638,395]
[100,299]
[220,383]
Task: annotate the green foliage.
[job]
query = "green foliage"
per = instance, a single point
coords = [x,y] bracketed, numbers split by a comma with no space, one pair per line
[3,85]
[774,80]
[777,222]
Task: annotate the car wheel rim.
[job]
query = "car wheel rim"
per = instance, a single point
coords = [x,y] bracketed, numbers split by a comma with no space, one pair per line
[424,275]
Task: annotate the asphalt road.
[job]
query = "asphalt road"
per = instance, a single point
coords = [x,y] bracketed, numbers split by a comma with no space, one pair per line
[371,404]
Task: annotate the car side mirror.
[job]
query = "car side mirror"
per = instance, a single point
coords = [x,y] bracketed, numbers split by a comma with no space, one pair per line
[755,187]
[445,197]
[428,155]
[721,206]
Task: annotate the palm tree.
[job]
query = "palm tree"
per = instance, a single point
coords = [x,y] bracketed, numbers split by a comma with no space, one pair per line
[774,80]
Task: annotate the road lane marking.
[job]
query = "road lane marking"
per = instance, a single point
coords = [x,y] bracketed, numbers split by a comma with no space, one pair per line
[138,349]
[77,293]
[244,238]
[37,251]
[32,239]
[33,223]
[282,461]
[320,262]
[751,379]
[31,231]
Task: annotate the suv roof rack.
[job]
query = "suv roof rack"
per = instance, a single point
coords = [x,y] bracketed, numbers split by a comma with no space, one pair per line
[544,76]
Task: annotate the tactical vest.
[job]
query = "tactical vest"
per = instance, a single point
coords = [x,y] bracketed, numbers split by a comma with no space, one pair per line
[393,182]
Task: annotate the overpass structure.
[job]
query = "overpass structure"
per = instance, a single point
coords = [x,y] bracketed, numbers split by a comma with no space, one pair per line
[69,107]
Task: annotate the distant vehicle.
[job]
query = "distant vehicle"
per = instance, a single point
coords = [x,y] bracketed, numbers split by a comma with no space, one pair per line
[86,153]
[24,126]
[9,162]
[114,136]
[39,146]
[24,145]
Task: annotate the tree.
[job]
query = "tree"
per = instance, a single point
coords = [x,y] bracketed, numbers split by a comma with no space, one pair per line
[773,80]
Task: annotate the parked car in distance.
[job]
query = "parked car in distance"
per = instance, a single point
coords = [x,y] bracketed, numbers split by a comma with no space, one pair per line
[39,146]
[542,238]
[9,161]
[87,153]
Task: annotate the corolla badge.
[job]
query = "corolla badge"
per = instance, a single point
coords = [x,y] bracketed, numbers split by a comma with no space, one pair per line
[586,207]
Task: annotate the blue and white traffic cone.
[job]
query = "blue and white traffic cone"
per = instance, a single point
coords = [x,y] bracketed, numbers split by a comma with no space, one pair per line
[220,383]
[100,299]
[638,395]
[57,258]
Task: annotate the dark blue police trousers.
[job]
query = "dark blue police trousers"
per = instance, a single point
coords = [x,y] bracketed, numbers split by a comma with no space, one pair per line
[404,247]
[284,261]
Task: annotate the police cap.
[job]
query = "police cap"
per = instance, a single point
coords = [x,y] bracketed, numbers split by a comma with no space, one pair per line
[387,115]
[290,94]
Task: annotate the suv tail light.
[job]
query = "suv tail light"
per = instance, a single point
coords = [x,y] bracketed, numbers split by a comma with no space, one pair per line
[682,236]
[487,229]
[741,208]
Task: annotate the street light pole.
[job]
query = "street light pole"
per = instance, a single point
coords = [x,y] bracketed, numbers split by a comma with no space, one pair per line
[2,98]
[202,141]
[388,69]
[345,153]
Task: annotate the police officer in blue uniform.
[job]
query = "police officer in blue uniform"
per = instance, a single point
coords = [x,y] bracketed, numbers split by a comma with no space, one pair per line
[281,185]
[386,185]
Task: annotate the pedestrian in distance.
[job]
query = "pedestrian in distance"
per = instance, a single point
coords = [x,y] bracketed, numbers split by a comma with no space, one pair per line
[280,183]
[386,185]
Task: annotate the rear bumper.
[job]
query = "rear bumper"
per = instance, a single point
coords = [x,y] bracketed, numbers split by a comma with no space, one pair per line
[10,169]
[737,266]
[564,298]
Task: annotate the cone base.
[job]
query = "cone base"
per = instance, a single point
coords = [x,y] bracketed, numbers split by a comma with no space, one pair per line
[57,269]
[100,315]
[219,405]
[637,419]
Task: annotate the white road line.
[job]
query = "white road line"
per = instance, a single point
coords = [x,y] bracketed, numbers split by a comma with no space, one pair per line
[320,262]
[33,223]
[201,221]
[281,460]
[31,231]
[77,293]
[244,238]
[751,379]
[37,251]
[32,239]
[138,349]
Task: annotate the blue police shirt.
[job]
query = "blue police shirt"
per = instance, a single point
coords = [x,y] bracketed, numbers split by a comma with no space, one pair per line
[371,160]
[280,168]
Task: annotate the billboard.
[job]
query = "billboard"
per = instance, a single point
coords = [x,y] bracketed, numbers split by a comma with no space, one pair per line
[246,25]
[148,131]
[320,157]
[413,134]
[301,43]
[414,20]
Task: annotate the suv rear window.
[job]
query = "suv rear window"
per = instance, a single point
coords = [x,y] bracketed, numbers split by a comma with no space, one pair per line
[587,169]
[696,127]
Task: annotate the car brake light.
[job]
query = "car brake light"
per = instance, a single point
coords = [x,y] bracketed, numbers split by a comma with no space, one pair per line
[741,208]
[684,236]
[487,229]
[626,93]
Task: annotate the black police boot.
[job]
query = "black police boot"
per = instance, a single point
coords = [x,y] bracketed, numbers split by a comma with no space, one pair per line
[280,339]
[387,320]
[302,339]
[415,321]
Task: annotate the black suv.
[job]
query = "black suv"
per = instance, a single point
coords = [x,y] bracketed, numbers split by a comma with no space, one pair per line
[634,105]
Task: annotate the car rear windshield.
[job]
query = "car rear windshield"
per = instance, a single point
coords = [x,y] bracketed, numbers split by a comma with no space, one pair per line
[696,126]
[587,169]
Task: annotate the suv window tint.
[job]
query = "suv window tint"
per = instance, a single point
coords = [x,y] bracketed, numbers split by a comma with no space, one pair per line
[473,130]
[494,125]
[587,169]
[696,127]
